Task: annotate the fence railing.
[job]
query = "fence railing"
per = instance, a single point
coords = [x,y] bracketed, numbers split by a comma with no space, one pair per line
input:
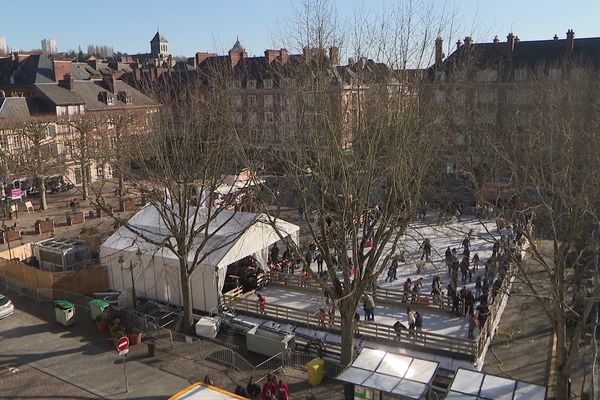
[382,295]
[419,338]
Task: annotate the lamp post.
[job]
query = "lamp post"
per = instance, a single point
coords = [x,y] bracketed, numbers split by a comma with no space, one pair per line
[122,264]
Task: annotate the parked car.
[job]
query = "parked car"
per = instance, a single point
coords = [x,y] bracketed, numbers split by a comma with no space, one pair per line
[6,307]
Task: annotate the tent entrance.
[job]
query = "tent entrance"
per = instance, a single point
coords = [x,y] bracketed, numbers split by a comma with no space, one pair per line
[243,273]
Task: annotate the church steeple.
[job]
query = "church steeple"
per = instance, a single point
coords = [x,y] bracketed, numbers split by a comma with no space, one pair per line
[159,46]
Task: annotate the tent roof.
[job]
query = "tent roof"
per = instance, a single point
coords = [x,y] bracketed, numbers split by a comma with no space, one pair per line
[479,385]
[390,373]
[232,235]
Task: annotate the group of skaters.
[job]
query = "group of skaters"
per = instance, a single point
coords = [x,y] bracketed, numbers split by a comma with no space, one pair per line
[272,389]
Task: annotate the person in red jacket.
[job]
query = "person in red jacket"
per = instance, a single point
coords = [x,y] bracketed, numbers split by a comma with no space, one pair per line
[282,391]
[269,389]
[262,303]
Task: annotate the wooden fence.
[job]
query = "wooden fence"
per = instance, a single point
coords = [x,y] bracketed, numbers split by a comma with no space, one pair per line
[425,339]
[86,280]
[382,295]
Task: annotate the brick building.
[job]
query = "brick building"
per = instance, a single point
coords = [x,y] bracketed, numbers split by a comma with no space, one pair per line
[493,90]
[38,88]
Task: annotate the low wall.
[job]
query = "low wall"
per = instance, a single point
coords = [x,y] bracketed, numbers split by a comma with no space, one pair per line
[88,280]
[21,252]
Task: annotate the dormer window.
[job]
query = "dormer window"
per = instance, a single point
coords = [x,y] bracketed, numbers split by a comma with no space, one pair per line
[106,98]
[268,83]
[124,97]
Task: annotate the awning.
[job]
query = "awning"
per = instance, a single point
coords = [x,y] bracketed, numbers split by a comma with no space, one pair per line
[401,375]
[473,385]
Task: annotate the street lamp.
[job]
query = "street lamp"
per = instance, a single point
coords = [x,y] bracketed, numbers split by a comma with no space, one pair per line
[122,264]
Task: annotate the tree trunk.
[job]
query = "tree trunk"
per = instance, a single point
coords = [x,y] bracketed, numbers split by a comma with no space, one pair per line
[186,295]
[347,311]
[42,188]
[562,371]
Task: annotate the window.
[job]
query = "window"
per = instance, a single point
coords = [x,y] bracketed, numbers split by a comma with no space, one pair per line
[268,83]
[269,119]
[236,101]
[269,100]
[252,118]
[519,96]
[51,131]
[486,75]
[485,96]
[238,118]
[251,84]
[252,100]
[520,74]
[439,97]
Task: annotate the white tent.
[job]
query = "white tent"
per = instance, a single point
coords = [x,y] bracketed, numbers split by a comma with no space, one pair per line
[156,269]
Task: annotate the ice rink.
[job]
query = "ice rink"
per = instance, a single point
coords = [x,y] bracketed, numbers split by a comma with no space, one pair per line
[434,320]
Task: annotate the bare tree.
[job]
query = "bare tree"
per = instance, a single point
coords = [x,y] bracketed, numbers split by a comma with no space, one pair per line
[558,180]
[178,166]
[37,153]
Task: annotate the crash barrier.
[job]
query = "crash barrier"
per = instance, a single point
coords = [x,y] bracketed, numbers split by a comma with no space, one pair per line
[422,339]
[381,295]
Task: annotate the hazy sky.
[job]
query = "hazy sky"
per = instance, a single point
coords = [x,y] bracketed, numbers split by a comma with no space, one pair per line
[212,25]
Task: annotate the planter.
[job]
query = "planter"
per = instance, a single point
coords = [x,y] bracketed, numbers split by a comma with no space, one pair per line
[75,218]
[11,236]
[102,325]
[44,227]
[135,338]
[100,213]
[127,206]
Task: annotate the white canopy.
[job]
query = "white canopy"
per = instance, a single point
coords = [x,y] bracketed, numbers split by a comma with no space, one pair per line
[404,376]
[478,385]
[232,236]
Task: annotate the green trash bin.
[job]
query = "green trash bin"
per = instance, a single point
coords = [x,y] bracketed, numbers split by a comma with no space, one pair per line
[97,307]
[65,312]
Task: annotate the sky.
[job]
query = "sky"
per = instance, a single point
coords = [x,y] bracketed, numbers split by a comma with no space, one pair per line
[213,25]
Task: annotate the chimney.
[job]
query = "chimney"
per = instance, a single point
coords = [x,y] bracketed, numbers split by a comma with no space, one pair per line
[362,62]
[61,69]
[271,55]
[496,40]
[570,41]
[69,81]
[200,57]
[110,82]
[235,57]
[510,41]
[468,42]
[283,53]
[555,37]
[334,55]
[351,61]
[458,44]
[439,55]
[306,54]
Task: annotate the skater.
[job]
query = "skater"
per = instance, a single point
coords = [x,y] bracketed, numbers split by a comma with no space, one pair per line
[426,246]
[476,261]
[392,270]
[319,259]
[406,289]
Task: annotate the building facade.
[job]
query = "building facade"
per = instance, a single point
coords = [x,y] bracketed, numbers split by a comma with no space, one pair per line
[62,94]
[493,91]
[49,46]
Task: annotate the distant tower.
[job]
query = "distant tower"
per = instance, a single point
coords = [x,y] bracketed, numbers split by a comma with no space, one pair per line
[3,46]
[49,46]
[159,46]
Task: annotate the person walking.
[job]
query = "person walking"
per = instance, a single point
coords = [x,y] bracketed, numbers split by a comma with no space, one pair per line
[319,259]
[472,325]
[476,262]
[426,247]
[262,304]
[406,290]
[412,319]
[418,323]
